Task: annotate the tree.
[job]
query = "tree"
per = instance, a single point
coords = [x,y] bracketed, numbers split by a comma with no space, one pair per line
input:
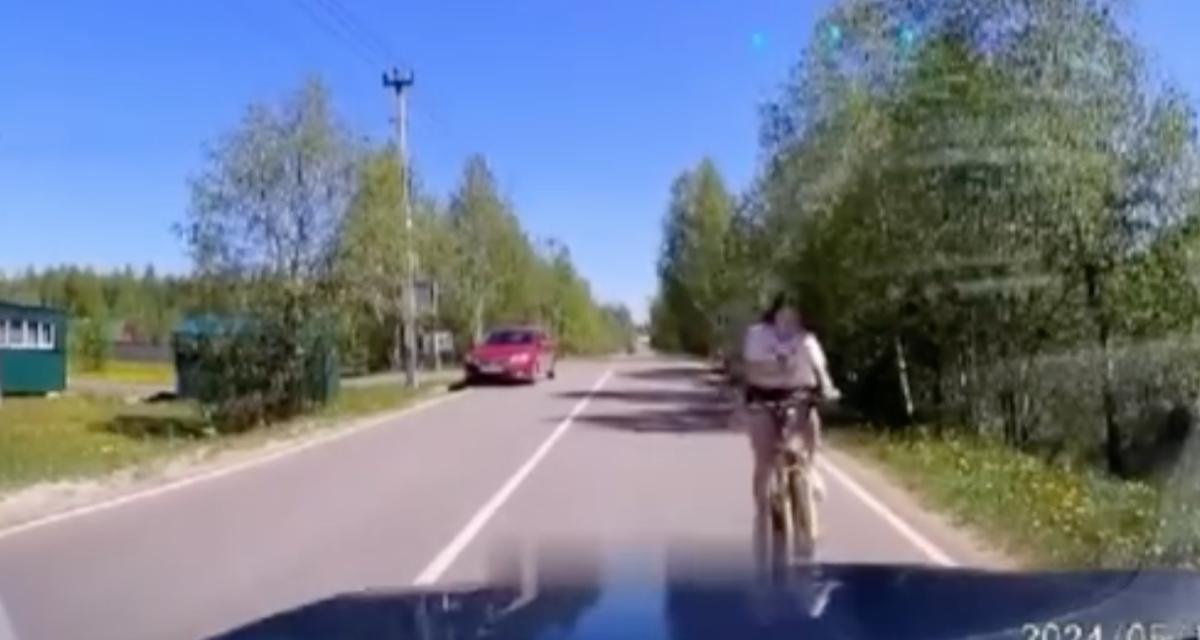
[371,255]
[272,200]
[984,208]
[693,275]
[93,344]
[484,231]
[263,226]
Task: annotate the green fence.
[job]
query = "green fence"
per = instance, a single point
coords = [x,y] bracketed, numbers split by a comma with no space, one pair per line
[192,380]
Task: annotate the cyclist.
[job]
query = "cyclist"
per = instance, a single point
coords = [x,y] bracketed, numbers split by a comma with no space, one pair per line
[781,358]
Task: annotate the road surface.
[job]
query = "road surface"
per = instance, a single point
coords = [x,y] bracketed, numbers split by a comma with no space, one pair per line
[631,451]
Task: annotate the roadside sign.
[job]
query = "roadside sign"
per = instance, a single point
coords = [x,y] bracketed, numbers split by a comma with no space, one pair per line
[426,293]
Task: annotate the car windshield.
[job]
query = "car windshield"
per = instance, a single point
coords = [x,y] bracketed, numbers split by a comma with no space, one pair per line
[510,337]
[300,297]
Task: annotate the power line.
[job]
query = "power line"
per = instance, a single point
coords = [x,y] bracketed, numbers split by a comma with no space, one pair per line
[357,27]
[343,25]
[354,27]
[442,131]
[318,17]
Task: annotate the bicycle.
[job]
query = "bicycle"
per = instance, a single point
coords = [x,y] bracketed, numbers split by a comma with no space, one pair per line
[793,525]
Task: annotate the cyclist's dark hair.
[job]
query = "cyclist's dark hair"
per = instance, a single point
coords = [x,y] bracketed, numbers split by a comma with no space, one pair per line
[778,303]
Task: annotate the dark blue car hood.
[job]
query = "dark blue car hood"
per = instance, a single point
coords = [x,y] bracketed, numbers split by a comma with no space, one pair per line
[819,601]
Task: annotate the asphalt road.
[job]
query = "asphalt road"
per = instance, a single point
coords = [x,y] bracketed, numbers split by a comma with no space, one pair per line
[627,452]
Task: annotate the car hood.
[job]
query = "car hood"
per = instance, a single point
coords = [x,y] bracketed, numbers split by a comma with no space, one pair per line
[500,351]
[691,601]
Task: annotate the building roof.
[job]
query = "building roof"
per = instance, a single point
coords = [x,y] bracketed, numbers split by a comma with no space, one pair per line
[20,307]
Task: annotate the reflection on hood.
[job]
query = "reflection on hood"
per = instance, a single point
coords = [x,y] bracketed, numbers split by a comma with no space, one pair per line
[583,594]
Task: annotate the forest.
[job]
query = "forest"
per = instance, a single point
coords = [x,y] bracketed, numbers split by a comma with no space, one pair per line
[987,210]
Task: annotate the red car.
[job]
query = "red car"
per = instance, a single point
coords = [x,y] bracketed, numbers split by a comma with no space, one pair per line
[513,354]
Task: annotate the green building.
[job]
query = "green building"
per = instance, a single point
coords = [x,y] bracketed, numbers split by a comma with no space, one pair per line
[33,349]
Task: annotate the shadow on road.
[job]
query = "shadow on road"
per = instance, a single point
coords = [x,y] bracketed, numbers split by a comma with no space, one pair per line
[680,409]
[645,396]
[672,373]
[689,420]
[464,383]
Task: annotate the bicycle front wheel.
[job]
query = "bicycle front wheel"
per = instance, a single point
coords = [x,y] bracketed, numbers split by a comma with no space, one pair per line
[781,536]
[804,514]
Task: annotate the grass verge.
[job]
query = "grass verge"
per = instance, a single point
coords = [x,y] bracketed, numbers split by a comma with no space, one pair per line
[130,372]
[76,436]
[1048,515]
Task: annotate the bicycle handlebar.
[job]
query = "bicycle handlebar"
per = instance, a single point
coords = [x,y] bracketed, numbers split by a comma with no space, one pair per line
[798,398]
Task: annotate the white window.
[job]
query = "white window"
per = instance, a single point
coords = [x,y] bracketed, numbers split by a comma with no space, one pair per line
[16,334]
[26,334]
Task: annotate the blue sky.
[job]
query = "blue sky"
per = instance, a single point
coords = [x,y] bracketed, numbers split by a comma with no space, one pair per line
[586,110]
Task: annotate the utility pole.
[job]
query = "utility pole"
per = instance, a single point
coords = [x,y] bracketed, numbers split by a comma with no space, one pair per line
[399,84]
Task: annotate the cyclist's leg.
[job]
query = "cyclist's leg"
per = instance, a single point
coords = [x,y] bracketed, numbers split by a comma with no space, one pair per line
[763,439]
[810,431]
[814,430]
[763,445]
[813,444]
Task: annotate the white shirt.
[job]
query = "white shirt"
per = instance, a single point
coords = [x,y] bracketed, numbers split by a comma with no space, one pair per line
[804,363]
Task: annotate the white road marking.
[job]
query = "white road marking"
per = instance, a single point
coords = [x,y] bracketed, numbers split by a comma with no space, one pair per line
[366,423]
[6,628]
[920,542]
[446,557]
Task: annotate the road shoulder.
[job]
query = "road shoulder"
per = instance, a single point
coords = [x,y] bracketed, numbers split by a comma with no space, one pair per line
[50,501]
[966,547]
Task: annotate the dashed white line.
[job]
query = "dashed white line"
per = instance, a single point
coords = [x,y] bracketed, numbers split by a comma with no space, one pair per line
[930,550]
[442,561]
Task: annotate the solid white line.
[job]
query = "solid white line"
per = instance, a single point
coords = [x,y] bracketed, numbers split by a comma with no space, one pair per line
[920,542]
[6,628]
[188,481]
[442,561]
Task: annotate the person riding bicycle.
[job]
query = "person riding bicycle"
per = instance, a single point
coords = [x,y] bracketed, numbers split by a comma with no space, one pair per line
[781,359]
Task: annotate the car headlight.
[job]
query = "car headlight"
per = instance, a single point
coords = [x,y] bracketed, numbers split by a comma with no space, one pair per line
[519,358]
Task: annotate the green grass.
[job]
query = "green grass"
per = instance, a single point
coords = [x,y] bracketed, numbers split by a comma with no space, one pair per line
[79,436]
[130,372]
[82,436]
[359,401]
[1047,515]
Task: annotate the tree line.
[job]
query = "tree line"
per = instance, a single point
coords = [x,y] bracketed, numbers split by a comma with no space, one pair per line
[988,210]
[142,306]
